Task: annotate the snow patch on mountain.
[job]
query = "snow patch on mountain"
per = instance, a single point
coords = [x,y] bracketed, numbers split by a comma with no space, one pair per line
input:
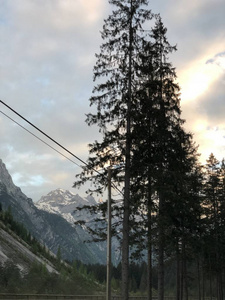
[65,203]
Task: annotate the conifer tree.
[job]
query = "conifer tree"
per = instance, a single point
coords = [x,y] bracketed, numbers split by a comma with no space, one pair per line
[160,107]
[138,114]
[165,156]
[214,211]
[115,99]
[176,159]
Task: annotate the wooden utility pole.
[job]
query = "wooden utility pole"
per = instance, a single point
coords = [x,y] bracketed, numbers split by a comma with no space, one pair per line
[108,285]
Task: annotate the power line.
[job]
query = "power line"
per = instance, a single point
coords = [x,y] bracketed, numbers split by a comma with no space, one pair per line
[64,148]
[39,138]
[15,112]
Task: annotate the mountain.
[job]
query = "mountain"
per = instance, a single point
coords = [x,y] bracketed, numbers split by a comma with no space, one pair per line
[53,229]
[65,203]
[16,251]
[27,267]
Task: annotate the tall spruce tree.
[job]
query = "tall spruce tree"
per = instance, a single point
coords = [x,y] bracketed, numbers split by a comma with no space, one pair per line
[165,157]
[177,171]
[115,98]
[184,211]
[163,117]
[215,219]
[138,113]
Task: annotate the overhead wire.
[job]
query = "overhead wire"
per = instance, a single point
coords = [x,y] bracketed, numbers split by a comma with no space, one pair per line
[46,135]
[38,138]
[42,132]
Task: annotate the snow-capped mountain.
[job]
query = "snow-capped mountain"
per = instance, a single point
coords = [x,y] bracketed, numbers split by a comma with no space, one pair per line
[65,204]
[47,224]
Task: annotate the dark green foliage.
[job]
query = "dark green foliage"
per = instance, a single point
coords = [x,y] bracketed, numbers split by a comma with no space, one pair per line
[137,275]
[19,229]
[213,237]
[7,218]
[71,279]
[98,270]
[39,281]
[138,113]
[10,277]
[115,97]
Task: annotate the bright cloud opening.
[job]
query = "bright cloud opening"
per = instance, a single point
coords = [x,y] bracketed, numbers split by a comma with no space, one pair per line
[198,79]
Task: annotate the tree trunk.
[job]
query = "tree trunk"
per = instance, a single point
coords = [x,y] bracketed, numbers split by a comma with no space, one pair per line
[125,242]
[199,280]
[149,272]
[181,278]
[203,285]
[161,270]
[109,242]
[161,251]
[184,262]
[210,279]
[178,274]
[125,245]
[149,221]
[161,193]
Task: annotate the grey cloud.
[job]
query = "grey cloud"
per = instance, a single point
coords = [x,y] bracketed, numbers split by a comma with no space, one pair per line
[47,55]
[195,26]
[46,75]
[216,60]
[221,54]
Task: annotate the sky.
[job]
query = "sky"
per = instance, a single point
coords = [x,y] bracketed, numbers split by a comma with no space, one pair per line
[47,55]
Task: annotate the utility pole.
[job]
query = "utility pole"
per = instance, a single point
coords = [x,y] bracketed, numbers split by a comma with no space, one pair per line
[109,251]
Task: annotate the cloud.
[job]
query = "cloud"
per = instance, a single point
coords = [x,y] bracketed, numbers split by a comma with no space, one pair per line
[47,55]
[197,27]
[203,107]
[218,59]
[200,76]
[23,181]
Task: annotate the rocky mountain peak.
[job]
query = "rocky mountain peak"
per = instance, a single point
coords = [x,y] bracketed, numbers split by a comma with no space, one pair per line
[6,182]
[52,220]
[65,203]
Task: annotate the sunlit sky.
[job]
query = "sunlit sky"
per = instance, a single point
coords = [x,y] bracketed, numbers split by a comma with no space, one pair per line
[47,54]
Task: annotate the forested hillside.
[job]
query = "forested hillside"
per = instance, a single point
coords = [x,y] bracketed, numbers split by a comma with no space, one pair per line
[27,266]
[49,227]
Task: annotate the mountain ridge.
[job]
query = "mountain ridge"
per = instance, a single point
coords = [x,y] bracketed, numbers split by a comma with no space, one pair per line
[50,228]
[65,203]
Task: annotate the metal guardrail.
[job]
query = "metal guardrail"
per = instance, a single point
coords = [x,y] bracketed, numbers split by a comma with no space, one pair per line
[7,296]
[51,297]
[64,297]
